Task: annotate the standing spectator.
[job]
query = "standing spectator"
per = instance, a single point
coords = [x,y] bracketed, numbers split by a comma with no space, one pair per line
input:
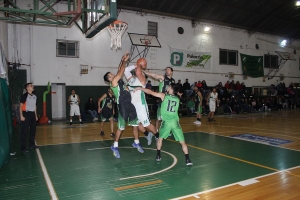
[149,85]
[180,86]
[187,88]
[90,108]
[74,101]
[205,89]
[28,117]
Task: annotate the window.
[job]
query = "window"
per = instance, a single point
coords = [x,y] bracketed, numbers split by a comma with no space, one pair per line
[152,28]
[228,57]
[67,48]
[271,61]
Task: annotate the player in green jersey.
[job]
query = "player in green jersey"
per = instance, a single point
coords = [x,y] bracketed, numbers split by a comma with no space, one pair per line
[126,110]
[170,119]
[198,98]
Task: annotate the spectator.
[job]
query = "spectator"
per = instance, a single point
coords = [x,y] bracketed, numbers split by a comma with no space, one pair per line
[219,88]
[205,89]
[180,86]
[90,108]
[191,105]
[187,88]
[199,85]
[148,85]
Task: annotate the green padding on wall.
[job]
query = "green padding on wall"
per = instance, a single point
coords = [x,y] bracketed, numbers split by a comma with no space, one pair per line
[6,122]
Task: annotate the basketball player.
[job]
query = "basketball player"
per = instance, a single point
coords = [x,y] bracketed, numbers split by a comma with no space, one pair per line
[198,98]
[74,101]
[212,98]
[170,119]
[127,112]
[138,98]
[107,111]
[164,81]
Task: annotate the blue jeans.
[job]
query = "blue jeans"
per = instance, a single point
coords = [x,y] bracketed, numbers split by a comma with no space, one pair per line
[93,113]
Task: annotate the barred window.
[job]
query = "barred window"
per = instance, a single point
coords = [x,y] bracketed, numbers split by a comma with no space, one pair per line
[271,61]
[228,57]
[152,28]
[67,48]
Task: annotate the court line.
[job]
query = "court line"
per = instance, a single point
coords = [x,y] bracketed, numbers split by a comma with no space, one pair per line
[240,139]
[226,156]
[232,184]
[47,177]
[234,158]
[138,185]
[139,176]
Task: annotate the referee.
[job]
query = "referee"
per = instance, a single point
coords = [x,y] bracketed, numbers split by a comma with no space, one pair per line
[28,117]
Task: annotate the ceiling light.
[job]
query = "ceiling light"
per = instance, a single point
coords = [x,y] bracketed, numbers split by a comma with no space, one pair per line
[297,3]
[207,29]
[283,43]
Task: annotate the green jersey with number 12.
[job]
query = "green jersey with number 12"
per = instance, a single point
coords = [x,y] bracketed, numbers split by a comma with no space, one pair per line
[169,107]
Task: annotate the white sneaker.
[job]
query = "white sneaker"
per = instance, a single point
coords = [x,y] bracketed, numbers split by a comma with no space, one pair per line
[149,138]
[198,122]
[195,122]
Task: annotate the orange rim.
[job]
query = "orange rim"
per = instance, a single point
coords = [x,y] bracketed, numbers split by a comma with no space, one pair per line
[117,22]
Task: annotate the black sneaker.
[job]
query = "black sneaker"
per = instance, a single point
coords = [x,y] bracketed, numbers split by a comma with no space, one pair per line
[212,119]
[81,122]
[112,135]
[158,158]
[34,147]
[71,123]
[102,133]
[188,162]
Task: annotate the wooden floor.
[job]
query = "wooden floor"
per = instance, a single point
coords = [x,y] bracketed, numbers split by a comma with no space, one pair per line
[282,125]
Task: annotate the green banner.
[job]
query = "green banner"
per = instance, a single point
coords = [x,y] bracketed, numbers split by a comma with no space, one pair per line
[252,66]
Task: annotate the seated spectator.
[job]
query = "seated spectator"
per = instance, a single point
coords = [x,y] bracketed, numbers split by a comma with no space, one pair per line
[235,106]
[91,108]
[219,88]
[148,85]
[199,85]
[227,108]
[279,102]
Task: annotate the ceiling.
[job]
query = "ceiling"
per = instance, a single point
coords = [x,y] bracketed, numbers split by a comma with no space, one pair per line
[277,17]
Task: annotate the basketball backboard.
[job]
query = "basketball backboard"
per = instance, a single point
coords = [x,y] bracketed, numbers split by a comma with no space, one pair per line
[144,40]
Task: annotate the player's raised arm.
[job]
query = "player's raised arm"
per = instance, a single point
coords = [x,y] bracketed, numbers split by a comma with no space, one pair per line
[155,76]
[156,94]
[99,102]
[121,70]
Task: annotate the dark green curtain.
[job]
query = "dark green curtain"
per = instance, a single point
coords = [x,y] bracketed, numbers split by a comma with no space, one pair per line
[6,122]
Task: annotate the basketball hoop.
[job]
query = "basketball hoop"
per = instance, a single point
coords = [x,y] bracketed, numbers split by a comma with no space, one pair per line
[147,40]
[116,30]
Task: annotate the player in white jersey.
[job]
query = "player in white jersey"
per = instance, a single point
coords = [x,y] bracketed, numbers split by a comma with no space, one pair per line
[74,101]
[212,100]
[138,98]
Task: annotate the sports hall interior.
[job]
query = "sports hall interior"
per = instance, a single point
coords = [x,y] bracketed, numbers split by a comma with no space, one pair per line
[250,151]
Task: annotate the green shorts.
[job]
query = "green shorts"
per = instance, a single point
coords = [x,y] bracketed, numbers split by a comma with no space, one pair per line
[158,113]
[171,126]
[199,109]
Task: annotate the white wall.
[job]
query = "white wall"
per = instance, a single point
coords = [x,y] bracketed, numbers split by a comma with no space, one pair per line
[36,46]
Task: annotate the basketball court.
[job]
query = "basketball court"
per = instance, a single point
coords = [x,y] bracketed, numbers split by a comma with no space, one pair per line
[77,163]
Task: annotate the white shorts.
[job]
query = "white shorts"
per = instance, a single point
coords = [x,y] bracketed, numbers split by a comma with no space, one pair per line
[74,110]
[142,113]
[212,106]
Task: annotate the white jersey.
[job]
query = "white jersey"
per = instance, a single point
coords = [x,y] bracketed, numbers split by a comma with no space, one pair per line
[213,97]
[74,99]
[136,96]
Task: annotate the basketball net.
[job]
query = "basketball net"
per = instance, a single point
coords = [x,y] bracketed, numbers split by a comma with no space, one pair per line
[116,30]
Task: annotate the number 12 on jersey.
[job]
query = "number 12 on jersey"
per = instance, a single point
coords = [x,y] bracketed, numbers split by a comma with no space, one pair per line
[171,105]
